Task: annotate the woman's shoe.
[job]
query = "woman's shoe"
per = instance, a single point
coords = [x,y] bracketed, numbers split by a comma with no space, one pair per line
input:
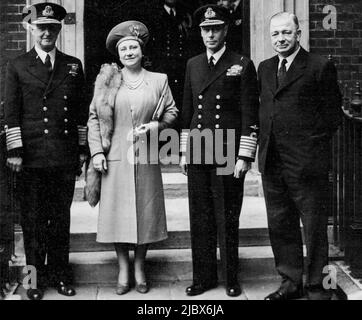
[122,288]
[142,287]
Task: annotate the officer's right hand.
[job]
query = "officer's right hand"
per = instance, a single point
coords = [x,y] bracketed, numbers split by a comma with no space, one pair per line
[15,164]
[100,163]
[183,165]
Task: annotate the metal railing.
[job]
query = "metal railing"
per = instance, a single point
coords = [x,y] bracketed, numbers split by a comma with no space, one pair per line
[347,181]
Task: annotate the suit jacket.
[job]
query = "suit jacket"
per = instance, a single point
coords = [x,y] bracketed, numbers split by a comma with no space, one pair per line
[236,30]
[221,98]
[302,114]
[45,118]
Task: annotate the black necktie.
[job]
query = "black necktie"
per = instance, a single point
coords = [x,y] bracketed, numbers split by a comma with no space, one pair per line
[48,64]
[282,72]
[172,14]
[211,63]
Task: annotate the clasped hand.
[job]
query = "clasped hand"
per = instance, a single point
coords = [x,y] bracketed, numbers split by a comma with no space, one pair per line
[100,163]
[15,164]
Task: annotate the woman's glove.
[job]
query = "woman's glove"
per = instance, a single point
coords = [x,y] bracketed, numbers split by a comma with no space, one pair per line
[100,163]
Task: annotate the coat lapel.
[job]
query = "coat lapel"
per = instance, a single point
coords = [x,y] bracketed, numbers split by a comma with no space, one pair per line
[295,71]
[271,74]
[222,65]
[36,68]
[202,72]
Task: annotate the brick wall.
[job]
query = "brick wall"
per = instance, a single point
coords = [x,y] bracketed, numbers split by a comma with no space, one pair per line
[344,43]
[12,34]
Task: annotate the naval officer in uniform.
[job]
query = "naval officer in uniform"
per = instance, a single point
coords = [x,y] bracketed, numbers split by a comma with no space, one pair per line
[169,47]
[220,96]
[45,117]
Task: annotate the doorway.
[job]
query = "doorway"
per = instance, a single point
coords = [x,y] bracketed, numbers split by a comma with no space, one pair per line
[101,16]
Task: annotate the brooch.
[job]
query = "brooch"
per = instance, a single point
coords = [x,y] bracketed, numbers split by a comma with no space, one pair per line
[74,67]
[234,71]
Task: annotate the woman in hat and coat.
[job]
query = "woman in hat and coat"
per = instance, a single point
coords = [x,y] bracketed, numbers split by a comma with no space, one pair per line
[129,105]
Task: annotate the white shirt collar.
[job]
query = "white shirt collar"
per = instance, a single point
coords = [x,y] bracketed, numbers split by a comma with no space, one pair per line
[42,55]
[216,55]
[168,9]
[289,59]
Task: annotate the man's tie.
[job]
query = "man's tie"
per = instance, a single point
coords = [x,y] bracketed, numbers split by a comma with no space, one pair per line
[282,72]
[172,14]
[48,64]
[211,63]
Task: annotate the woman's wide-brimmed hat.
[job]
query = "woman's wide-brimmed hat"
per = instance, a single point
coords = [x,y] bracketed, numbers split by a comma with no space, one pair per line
[127,30]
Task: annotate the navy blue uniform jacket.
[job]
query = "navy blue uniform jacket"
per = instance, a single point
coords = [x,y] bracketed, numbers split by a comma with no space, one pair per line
[45,115]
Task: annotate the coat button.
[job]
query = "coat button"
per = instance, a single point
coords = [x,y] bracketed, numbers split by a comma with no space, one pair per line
[217,126]
[66,132]
[218,107]
[46,131]
[46,120]
[199,126]
[201,97]
[66,120]
[65,97]
[217,117]
[200,116]
[218,97]
[45,109]
[65,109]
[200,106]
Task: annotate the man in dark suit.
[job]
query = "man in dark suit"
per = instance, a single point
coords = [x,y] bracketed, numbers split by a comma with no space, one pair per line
[45,121]
[220,98]
[168,49]
[236,31]
[300,111]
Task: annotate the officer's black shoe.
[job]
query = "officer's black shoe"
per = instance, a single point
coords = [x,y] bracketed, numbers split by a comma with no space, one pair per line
[233,290]
[35,294]
[197,289]
[65,289]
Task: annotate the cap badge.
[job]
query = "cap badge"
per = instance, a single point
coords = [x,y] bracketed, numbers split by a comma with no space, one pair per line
[48,12]
[135,30]
[210,14]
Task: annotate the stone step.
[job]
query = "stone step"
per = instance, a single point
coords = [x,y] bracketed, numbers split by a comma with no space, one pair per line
[168,265]
[175,185]
[253,215]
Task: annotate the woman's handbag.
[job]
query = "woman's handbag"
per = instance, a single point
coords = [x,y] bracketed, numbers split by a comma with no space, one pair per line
[93,185]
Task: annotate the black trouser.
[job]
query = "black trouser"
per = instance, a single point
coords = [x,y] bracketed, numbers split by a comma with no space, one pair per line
[290,200]
[215,205]
[47,198]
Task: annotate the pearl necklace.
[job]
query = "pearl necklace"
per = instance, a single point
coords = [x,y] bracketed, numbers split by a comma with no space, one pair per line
[134,84]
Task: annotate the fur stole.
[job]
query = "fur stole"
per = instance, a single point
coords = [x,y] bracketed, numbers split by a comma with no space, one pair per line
[106,87]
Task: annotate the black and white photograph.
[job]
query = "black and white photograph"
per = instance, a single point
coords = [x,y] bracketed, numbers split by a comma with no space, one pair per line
[180,155]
